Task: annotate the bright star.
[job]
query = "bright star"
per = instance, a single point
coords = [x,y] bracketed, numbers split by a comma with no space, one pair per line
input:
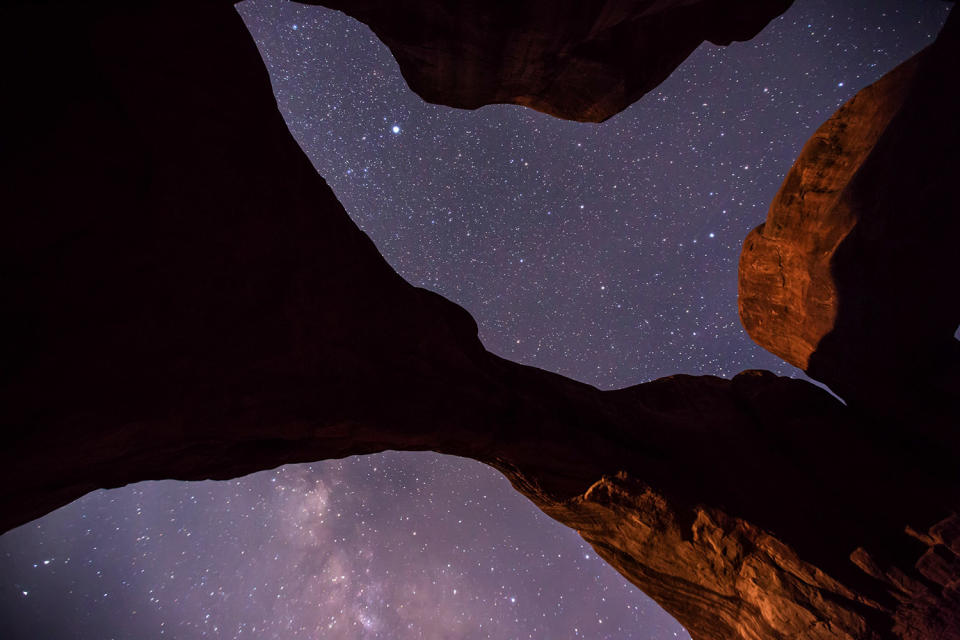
[396,129]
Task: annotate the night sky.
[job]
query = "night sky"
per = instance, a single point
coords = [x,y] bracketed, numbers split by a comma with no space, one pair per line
[606,253]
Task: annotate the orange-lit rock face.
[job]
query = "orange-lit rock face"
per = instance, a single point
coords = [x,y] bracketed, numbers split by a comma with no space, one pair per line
[788,300]
[577,60]
[848,277]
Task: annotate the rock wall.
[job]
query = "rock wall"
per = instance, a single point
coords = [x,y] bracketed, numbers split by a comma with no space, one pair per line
[583,61]
[849,277]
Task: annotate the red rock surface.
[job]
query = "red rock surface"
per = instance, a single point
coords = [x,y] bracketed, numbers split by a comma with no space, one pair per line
[577,60]
[185,298]
[851,276]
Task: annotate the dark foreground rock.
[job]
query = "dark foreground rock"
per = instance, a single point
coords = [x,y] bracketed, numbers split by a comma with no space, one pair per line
[577,60]
[185,298]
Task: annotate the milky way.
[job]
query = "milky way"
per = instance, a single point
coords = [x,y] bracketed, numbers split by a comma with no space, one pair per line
[603,252]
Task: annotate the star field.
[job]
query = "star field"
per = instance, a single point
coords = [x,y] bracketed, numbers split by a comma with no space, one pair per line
[389,546]
[607,253]
[614,244]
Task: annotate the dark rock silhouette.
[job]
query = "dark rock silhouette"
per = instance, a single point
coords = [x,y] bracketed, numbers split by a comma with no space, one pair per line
[185,298]
[583,61]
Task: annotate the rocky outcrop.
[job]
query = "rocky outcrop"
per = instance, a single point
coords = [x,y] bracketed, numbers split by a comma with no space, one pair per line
[185,298]
[849,277]
[583,61]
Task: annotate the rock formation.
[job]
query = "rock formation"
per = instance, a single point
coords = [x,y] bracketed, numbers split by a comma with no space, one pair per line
[849,277]
[185,298]
[577,60]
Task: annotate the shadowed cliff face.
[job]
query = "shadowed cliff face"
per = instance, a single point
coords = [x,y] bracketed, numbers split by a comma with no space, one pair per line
[187,299]
[848,277]
[583,61]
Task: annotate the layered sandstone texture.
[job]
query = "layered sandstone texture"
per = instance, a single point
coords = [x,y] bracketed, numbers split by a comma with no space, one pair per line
[853,276]
[185,298]
[577,60]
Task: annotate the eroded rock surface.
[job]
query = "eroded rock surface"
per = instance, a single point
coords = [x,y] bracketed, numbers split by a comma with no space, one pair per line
[853,276]
[185,298]
[577,60]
